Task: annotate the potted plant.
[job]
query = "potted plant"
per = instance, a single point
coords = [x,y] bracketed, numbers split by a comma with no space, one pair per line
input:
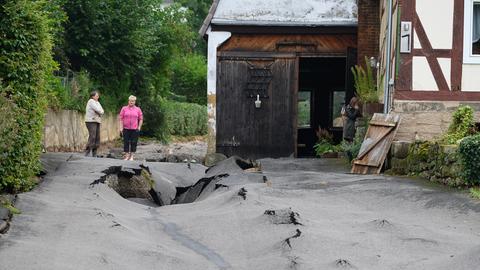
[366,88]
[324,147]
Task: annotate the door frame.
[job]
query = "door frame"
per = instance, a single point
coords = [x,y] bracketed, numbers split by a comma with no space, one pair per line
[297,84]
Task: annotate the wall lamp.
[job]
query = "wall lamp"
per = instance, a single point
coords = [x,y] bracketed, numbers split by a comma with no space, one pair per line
[258,102]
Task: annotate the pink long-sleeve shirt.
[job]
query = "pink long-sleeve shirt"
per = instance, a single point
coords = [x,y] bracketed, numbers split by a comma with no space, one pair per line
[130,117]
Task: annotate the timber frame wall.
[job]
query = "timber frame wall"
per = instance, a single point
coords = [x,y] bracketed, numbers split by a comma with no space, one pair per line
[449,85]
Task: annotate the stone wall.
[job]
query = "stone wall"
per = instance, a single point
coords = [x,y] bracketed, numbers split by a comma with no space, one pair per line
[66,131]
[427,120]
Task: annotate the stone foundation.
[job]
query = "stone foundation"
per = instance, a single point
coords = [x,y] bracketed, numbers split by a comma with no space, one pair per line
[427,120]
[65,130]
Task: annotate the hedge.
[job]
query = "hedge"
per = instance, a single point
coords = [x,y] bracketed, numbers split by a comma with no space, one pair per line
[166,118]
[185,119]
[469,150]
[25,66]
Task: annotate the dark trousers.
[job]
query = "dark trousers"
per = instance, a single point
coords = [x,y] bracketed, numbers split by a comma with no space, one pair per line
[130,139]
[93,135]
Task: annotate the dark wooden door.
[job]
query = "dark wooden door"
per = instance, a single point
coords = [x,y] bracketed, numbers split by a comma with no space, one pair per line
[243,129]
[349,79]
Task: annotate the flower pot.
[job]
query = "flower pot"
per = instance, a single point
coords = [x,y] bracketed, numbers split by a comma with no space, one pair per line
[371,108]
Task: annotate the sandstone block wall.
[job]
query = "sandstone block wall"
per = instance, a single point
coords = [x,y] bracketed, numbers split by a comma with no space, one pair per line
[65,130]
[427,120]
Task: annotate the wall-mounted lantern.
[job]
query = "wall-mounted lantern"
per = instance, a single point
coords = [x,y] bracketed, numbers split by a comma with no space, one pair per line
[258,102]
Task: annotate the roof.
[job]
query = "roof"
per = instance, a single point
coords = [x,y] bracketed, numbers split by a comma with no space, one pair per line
[282,13]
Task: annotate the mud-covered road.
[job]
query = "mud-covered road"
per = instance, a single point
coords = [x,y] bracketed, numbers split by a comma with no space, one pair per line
[344,221]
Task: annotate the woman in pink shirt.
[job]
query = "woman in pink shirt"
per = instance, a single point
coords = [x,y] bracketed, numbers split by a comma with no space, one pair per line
[131,120]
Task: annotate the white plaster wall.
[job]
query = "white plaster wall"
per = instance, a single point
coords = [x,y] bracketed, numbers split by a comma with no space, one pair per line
[416,42]
[215,39]
[471,77]
[437,19]
[445,64]
[422,77]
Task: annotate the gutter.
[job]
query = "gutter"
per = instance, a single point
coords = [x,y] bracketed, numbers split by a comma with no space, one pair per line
[388,82]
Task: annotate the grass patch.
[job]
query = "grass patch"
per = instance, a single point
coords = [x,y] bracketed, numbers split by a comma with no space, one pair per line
[475,193]
[12,209]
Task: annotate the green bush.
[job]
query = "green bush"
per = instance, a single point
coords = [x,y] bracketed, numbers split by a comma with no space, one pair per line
[462,125]
[166,118]
[324,147]
[189,78]
[25,65]
[185,119]
[154,120]
[469,150]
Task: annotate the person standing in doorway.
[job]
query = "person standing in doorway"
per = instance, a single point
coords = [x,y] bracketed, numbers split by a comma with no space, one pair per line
[93,119]
[350,112]
[130,120]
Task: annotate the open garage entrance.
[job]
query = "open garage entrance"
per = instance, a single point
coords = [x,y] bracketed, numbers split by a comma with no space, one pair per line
[322,91]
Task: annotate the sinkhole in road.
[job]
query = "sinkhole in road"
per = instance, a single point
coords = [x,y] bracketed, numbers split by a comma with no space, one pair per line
[137,183]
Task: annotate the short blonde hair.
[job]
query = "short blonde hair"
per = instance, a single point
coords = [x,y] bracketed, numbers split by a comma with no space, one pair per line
[132,97]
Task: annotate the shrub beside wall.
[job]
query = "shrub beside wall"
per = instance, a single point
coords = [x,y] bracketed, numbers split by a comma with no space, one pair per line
[25,66]
[185,119]
[469,151]
[166,118]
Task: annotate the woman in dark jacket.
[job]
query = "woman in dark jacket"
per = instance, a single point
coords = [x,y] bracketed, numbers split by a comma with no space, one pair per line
[351,113]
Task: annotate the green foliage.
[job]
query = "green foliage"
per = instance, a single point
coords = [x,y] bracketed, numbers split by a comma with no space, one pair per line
[325,143]
[365,83]
[185,119]
[26,28]
[165,118]
[12,209]
[324,147]
[475,193]
[199,9]
[71,93]
[462,125]
[469,150]
[438,163]
[189,78]
[134,47]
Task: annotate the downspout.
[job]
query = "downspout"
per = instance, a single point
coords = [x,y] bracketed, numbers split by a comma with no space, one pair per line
[388,64]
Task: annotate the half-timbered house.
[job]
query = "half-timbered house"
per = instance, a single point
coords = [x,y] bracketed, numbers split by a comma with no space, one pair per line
[430,60]
[280,69]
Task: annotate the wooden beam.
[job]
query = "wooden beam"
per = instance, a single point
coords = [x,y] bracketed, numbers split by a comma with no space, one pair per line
[404,81]
[431,59]
[438,53]
[434,95]
[457,46]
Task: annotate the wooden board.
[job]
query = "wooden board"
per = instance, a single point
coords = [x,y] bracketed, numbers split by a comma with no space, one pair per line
[377,142]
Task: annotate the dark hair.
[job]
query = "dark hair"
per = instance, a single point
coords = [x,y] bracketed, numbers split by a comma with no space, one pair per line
[93,93]
[353,101]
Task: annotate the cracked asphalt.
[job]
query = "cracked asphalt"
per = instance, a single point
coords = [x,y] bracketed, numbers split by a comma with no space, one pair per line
[348,222]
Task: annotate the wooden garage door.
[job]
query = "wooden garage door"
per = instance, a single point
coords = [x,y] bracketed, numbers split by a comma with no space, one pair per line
[251,132]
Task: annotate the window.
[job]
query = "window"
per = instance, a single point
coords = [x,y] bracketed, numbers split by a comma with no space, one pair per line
[471,50]
[304,109]
[338,100]
[476,29]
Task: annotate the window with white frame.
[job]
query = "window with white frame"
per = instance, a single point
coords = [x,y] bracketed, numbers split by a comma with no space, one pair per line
[471,50]
[476,28]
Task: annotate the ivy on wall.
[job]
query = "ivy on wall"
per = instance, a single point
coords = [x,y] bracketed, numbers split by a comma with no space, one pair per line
[26,31]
